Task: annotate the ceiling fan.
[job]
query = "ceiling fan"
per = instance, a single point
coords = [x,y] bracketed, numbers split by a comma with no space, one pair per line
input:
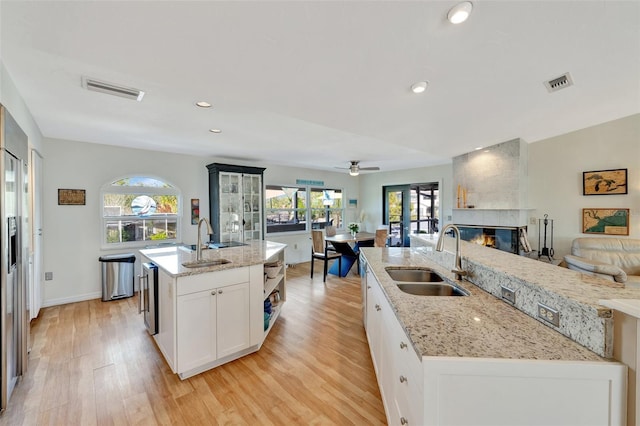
[354,168]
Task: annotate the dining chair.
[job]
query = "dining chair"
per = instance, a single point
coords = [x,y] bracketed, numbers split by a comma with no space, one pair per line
[381,238]
[330,230]
[319,251]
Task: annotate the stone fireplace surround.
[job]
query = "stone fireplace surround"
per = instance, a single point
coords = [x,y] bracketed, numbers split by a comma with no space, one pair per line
[495,182]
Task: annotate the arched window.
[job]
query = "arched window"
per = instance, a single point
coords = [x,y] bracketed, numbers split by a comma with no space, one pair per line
[140,210]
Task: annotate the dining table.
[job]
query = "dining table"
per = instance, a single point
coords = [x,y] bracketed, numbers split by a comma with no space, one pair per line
[348,245]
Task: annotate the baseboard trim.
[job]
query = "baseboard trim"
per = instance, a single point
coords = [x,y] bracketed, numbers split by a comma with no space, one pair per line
[73,299]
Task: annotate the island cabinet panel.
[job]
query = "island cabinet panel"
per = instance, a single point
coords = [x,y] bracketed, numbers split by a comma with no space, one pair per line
[524,392]
[167,318]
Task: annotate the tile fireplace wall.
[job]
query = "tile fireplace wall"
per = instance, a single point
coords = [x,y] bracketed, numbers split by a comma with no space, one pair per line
[495,181]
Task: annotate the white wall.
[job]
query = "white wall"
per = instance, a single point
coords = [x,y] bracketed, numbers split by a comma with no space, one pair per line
[72,234]
[555,177]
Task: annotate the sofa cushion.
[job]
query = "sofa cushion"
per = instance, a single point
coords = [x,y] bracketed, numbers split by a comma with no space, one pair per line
[624,253]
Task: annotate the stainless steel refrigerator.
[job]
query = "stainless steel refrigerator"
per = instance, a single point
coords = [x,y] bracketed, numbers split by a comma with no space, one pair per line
[14,324]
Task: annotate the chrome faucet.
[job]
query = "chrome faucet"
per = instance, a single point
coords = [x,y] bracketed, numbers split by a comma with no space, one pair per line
[199,244]
[457,269]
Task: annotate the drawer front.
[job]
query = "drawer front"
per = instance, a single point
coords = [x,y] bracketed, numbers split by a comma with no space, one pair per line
[408,376]
[201,282]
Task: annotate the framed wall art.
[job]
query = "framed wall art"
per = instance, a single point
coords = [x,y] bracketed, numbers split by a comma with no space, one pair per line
[605,221]
[604,182]
[71,197]
[195,211]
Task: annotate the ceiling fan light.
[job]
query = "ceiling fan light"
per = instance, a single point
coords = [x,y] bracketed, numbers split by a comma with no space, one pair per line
[353,170]
[460,12]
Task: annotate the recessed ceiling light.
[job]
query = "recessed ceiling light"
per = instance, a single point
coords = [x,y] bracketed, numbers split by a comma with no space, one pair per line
[478,148]
[419,87]
[460,12]
[215,130]
[203,104]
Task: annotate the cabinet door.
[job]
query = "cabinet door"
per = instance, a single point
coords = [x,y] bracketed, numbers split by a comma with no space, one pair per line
[231,207]
[233,319]
[252,197]
[196,329]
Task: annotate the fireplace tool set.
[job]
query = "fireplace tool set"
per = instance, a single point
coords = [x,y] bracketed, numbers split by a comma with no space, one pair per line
[545,251]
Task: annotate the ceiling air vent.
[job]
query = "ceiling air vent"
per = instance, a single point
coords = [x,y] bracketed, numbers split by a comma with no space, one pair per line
[112,89]
[559,83]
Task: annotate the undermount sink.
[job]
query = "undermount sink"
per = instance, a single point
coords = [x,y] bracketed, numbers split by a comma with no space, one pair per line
[414,275]
[429,289]
[204,263]
[423,282]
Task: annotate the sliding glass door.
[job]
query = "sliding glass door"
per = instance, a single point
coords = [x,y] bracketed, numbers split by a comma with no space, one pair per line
[396,213]
[412,208]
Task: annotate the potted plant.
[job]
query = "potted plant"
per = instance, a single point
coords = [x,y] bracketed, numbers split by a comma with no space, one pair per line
[354,228]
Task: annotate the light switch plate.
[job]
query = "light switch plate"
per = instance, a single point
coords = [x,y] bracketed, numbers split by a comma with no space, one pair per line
[48,276]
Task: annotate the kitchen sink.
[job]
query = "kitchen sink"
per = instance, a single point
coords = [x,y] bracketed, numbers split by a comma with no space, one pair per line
[414,275]
[429,289]
[204,263]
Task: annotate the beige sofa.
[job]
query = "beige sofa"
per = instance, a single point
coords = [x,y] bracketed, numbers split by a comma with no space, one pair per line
[615,259]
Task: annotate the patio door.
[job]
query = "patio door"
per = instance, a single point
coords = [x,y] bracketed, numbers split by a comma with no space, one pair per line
[397,214]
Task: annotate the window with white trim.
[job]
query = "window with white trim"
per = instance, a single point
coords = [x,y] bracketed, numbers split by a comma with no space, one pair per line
[301,208]
[140,210]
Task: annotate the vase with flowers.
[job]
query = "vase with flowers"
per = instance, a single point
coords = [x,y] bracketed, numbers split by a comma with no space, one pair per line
[354,228]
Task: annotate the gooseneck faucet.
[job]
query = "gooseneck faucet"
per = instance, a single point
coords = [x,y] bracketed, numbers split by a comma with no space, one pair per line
[199,244]
[457,269]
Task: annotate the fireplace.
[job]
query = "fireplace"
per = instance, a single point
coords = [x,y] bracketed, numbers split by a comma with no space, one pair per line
[505,238]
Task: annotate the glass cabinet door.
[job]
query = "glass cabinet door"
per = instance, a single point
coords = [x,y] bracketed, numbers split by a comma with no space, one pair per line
[252,197]
[230,210]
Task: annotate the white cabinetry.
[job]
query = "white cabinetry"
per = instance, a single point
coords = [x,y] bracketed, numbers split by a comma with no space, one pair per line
[431,390]
[396,363]
[212,324]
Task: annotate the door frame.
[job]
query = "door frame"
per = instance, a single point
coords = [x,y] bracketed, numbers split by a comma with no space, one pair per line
[406,214]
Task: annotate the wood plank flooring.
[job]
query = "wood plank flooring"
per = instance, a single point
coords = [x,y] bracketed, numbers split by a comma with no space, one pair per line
[93,363]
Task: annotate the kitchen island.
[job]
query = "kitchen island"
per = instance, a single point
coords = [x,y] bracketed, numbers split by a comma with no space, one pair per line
[210,315]
[477,359]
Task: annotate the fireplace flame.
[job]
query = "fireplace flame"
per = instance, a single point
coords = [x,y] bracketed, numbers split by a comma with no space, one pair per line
[484,240]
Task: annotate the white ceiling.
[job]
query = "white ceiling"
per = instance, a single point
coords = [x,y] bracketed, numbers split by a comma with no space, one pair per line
[316,84]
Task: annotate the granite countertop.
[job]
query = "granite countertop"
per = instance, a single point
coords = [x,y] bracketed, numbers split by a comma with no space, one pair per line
[581,288]
[170,259]
[478,325]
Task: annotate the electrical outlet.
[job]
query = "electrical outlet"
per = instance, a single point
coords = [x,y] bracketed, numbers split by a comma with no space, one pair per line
[48,276]
[508,294]
[548,314]
[533,221]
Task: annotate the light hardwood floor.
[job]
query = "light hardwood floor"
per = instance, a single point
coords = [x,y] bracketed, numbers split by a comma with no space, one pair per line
[93,363]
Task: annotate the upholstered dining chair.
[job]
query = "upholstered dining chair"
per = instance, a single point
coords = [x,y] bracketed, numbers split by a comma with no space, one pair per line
[381,238]
[318,251]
